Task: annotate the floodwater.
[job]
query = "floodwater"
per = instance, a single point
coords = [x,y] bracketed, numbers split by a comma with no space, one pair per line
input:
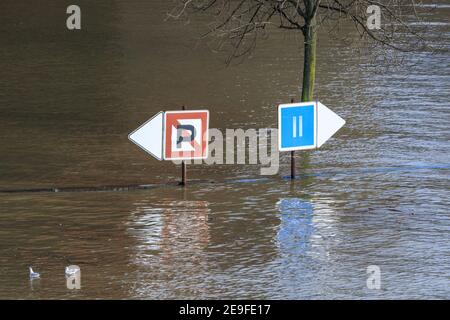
[376,194]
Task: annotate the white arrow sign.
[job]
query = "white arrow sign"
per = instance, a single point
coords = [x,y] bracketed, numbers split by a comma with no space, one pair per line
[328,123]
[149,136]
[306,125]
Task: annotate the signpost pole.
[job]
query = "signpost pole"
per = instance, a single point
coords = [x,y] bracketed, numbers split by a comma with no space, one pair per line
[292,158]
[292,165]
[183,173]
[183,166]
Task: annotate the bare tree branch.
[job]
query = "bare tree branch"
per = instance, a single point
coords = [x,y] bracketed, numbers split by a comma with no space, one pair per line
[239,23]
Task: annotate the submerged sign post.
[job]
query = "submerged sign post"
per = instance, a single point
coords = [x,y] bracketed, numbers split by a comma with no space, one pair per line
[174,135]
[305,125]
[183,135]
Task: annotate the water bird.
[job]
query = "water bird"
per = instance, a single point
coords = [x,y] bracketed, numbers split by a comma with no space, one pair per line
[71,270]
[34,275]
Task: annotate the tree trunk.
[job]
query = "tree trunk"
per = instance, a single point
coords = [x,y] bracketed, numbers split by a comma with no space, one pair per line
[309,60]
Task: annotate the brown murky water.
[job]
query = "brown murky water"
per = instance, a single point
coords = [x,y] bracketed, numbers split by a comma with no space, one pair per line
[376,194]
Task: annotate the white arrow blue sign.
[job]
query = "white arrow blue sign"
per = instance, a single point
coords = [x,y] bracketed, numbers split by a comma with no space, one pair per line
[306,125]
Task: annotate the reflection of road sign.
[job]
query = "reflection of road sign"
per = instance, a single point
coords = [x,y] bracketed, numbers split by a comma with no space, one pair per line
[149,136]
[186,134]
[306,125]
[174,135]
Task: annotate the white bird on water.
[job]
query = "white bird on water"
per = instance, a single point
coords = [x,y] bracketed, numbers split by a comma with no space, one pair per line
[71,270]
[34,275]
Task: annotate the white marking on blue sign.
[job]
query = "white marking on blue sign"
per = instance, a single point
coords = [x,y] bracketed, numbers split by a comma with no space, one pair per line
[297,126]
[298,132]
[306,125]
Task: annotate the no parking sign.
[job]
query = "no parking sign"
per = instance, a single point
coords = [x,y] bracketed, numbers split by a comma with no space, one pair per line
[186,134]
[174,135]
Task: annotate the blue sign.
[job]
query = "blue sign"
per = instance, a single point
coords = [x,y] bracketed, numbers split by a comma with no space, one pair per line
[297,126]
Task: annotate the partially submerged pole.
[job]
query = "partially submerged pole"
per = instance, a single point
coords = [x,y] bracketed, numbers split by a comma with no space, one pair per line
[183,173]
[183,166]
[292,165]
[292,158]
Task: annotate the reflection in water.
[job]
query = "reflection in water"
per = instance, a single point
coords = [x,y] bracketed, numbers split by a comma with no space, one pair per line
[185,231]
[307,227]
[35,284]
[296,226]
[172,236]
[306,230]
[294,244]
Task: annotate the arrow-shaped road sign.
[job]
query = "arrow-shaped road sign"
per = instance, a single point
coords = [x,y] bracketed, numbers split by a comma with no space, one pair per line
[184,134]
[149,136]
[174,135]
[306,125]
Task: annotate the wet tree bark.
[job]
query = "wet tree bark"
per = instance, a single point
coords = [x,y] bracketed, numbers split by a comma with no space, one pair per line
[309,62]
